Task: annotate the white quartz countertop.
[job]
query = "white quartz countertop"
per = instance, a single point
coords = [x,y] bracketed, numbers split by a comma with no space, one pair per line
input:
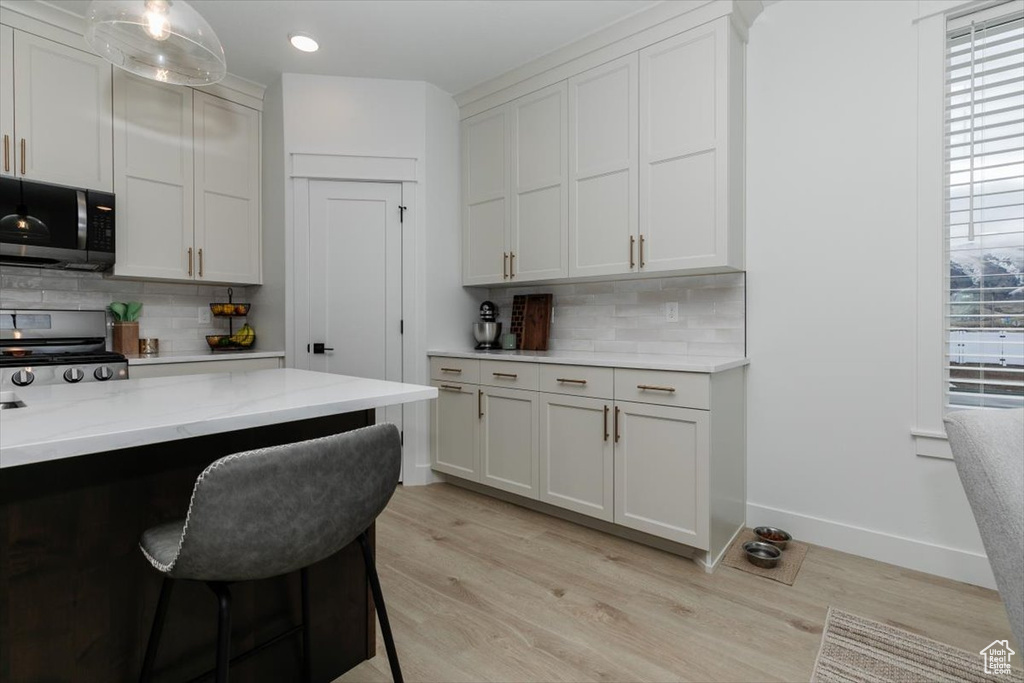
[67,420]
[636,361]
[201,356]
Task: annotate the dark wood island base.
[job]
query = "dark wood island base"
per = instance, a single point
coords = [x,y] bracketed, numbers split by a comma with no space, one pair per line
[77,597]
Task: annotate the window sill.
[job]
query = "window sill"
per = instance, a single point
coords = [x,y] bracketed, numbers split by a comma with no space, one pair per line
[930,444]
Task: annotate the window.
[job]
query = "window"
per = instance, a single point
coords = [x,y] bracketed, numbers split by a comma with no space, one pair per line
[984,210]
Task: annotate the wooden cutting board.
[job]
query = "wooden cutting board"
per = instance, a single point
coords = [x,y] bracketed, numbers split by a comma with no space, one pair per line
[536,322]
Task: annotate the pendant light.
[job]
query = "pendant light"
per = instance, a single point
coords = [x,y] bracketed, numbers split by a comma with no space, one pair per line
[164,40]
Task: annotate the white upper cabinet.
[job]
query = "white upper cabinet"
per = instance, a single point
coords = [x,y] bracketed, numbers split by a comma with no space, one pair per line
[685,122]
[632,166]
[538,236]
[62,119]
[485,193]
[227,190]
[603,172]
[7,166]
[153,178]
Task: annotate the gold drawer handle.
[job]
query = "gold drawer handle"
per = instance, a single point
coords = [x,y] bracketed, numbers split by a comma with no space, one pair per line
[457,371]
[451,387]
[571,381]
[651,387]
[509,375]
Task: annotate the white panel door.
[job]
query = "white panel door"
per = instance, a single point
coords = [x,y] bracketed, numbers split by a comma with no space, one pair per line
[485,192]
[355,282]
[661,471]
[227,191]
[576,471]
[683,117]
[455,429]
[603,169]
[62,114]
[509,456]
[153,178]
[7,166]
[538,236]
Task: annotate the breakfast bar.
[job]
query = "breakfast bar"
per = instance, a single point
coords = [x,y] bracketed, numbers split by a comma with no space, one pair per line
[85,469]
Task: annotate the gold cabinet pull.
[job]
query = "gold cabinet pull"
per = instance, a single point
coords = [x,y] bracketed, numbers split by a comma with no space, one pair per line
[616,424]
[200,261]
[451,387]
[190,261]
[23,156]
[7,153]
[641,251]
[511,264]
[632,246]
[507,375]
[457,371]
[479,403]
[504,265]
[571,381]
[651,387]
[606,423]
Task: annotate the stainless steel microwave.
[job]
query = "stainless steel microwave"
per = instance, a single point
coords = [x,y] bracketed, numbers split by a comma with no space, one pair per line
[50,226]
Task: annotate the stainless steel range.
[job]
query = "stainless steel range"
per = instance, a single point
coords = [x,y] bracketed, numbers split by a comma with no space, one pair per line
[56,347]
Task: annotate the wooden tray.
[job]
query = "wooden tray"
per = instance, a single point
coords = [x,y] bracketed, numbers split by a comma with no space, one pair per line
[536,322]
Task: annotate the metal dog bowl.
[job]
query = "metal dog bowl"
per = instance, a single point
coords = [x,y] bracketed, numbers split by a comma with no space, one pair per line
[773,536]
[762,555]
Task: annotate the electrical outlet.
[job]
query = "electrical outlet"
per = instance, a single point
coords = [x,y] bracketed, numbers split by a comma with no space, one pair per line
[204,314]
[672,312]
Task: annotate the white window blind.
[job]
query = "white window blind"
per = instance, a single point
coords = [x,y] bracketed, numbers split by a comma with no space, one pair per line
[985,210]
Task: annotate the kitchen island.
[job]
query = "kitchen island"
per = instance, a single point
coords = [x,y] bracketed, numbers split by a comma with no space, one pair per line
[87,468]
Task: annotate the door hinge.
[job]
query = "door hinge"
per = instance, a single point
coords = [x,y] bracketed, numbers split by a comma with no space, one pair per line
[401,214]
[401,327]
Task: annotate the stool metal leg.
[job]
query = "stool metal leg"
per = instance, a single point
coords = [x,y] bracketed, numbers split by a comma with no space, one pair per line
[223,629]
[307,632]
[382,613]
[157,630]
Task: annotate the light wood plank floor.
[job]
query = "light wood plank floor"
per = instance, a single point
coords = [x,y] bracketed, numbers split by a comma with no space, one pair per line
[481,590]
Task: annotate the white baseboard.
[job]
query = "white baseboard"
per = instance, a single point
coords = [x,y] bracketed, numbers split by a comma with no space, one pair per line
[711,564]
[418,475]
[951,563]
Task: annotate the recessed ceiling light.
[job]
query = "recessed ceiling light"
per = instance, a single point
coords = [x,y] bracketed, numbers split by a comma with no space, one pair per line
[304,42]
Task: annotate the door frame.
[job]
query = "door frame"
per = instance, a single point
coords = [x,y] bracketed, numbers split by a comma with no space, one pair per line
[303,168]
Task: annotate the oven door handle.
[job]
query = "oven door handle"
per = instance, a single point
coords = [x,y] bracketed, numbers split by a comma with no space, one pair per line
[83,220]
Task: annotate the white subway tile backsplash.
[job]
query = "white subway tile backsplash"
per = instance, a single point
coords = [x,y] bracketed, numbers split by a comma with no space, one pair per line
[628,316]
[170,310]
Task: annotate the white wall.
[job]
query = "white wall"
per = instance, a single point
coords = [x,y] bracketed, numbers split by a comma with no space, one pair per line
[831,249]
[268,310]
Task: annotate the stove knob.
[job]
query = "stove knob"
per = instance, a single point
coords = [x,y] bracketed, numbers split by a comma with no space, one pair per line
[73,375]
[103,373]
[23,378]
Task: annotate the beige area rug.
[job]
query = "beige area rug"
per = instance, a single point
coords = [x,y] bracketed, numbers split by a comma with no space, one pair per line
[785,571]
[858,650]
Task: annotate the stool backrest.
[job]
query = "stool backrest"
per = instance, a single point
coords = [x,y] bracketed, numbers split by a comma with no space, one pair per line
[274,510]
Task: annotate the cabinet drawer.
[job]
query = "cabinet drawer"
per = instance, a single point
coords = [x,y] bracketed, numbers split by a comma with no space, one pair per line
[455,369]
[577,380]
[683,389]
[511,374]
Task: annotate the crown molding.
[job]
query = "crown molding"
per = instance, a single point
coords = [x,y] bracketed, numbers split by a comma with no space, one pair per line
[646,27]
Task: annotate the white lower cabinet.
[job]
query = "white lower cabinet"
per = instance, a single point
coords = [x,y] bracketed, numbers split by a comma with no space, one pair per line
[455,431]
[658,452]
[508,440]
[576,450]
[661,471]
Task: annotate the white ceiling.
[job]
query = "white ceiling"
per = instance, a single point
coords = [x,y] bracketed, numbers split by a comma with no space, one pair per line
[454,44]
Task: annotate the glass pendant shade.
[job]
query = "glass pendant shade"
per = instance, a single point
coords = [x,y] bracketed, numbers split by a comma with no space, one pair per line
[165,40]
[20,227]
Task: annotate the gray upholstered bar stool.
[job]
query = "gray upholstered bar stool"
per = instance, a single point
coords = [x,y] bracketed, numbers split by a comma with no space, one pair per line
[272,511]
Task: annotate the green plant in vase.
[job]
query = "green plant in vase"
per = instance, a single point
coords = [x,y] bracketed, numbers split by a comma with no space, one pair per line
[126,327]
